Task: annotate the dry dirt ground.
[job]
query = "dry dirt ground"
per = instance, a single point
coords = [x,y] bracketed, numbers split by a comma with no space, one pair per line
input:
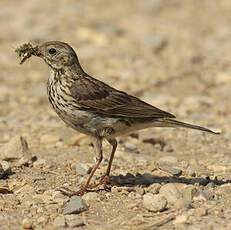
[174,54]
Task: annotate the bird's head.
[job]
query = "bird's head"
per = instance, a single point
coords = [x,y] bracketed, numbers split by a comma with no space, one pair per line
[58,55]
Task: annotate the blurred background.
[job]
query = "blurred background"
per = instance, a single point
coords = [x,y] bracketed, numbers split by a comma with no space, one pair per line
[174,54]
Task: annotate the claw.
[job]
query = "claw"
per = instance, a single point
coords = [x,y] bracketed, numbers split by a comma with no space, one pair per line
[105,181]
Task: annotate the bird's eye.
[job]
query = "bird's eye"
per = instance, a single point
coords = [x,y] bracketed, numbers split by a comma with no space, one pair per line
[52,51]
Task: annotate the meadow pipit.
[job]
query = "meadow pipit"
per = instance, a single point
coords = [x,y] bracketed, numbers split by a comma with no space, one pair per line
[93,107]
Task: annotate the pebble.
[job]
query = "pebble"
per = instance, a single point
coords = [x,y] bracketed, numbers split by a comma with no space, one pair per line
[171,170]
[12,149]
[74,221]
[205,195]
[5,166]
[27,223]
[58,197]
[154,188]
[181,219]
[140,191]
[154,203]
[210,185]
[181,203]
[201,211]
[168,160]
[170,192]
[47,139]
[76,205]
[82,169]
[189,192]
[59,222]
[90,196]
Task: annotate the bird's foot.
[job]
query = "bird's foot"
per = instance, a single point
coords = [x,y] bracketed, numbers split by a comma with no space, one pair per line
[106,181]
[68,192]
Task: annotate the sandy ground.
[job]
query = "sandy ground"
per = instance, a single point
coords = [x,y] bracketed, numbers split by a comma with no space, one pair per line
[174,54]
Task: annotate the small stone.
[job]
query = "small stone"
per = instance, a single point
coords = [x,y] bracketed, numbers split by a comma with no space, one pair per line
[189,192]
[210,185]
[12,150]
[47,139]
[76,205]
[140,191]
[58,197]
[168,160]
[74,221]
[27,223]
[154,188]
[171,170]
[59,222]
[82,169]
[90,196]
[201,211]
[181,219]
[183,204]
[5,166]
[154,203]
[205,195]
[42,219]
[170,192]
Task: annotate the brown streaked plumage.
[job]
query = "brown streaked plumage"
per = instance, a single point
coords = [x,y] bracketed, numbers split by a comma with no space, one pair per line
[93,107]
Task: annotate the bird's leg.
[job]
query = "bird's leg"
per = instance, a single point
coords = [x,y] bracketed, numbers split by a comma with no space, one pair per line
[98,147]
[106,178]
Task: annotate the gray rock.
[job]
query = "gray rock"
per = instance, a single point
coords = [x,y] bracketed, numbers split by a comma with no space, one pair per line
[154,203]
[59,222]
[170,192]
[171,170]
[76,205]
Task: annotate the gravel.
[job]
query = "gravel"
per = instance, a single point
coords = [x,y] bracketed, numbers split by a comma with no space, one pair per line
[167,53]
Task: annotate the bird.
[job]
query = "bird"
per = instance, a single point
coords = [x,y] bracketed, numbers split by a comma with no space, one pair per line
[92,107]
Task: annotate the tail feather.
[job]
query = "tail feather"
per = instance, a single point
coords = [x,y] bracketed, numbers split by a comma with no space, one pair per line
[175,123]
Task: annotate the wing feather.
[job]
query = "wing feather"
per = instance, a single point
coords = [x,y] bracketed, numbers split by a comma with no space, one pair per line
[96,96]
